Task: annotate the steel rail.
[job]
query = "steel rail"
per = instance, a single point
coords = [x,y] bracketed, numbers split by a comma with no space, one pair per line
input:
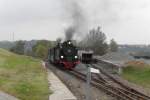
[126,89]
[101,85]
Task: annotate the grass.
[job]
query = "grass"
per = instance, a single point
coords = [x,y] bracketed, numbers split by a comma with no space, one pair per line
[138,74]
[23,77]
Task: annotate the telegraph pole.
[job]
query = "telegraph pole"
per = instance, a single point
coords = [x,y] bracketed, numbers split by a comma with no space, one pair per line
[13,36]
[88,90]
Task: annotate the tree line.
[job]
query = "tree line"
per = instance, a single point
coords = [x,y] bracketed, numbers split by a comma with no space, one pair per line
[95,40]
[35,48]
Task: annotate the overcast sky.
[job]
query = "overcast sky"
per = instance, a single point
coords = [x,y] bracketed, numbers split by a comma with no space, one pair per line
[127,21]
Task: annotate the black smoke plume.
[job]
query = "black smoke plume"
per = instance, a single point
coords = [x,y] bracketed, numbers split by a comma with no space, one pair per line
[78,19]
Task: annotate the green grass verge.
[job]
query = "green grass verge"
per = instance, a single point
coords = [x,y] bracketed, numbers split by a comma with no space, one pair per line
[138,74]
[23,77]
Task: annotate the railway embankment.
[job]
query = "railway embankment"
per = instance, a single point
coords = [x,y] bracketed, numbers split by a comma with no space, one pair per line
[138,73]
[23,77]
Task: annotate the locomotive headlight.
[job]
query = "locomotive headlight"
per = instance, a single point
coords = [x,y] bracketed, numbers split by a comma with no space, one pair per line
[75,57]
[61,57]
[69,42]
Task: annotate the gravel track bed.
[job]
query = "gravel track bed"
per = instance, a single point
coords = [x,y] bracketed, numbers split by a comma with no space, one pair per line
[78,87]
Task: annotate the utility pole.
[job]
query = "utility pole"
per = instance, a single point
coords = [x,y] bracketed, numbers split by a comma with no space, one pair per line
[13,36]
[88,91]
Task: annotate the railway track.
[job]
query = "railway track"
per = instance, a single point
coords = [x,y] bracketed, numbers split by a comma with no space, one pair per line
[120,86]
[122,92]
[110,90]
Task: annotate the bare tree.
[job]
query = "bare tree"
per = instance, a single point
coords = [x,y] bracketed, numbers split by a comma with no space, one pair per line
[113,46]
[96,40]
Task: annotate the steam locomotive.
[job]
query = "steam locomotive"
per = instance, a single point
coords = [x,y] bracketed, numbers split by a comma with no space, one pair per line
[64,54]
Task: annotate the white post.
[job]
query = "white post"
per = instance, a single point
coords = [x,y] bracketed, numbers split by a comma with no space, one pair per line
[88,94]
[119,70]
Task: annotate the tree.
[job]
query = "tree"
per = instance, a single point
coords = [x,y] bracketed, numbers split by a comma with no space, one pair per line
[113,46]
[96,41]
[35,48]
[18,48]
[41,49]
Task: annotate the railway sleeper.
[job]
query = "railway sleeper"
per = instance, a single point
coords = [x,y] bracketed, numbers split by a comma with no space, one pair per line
[119,94]
[123,85]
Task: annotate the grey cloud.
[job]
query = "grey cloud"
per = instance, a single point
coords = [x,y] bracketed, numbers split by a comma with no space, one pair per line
[77,19]
[45,19]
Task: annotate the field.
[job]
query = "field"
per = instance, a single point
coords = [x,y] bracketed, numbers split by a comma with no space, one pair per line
[23,77]
[138,73]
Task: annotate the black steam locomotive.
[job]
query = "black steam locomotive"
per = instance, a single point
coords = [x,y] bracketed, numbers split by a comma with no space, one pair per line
[64,54]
